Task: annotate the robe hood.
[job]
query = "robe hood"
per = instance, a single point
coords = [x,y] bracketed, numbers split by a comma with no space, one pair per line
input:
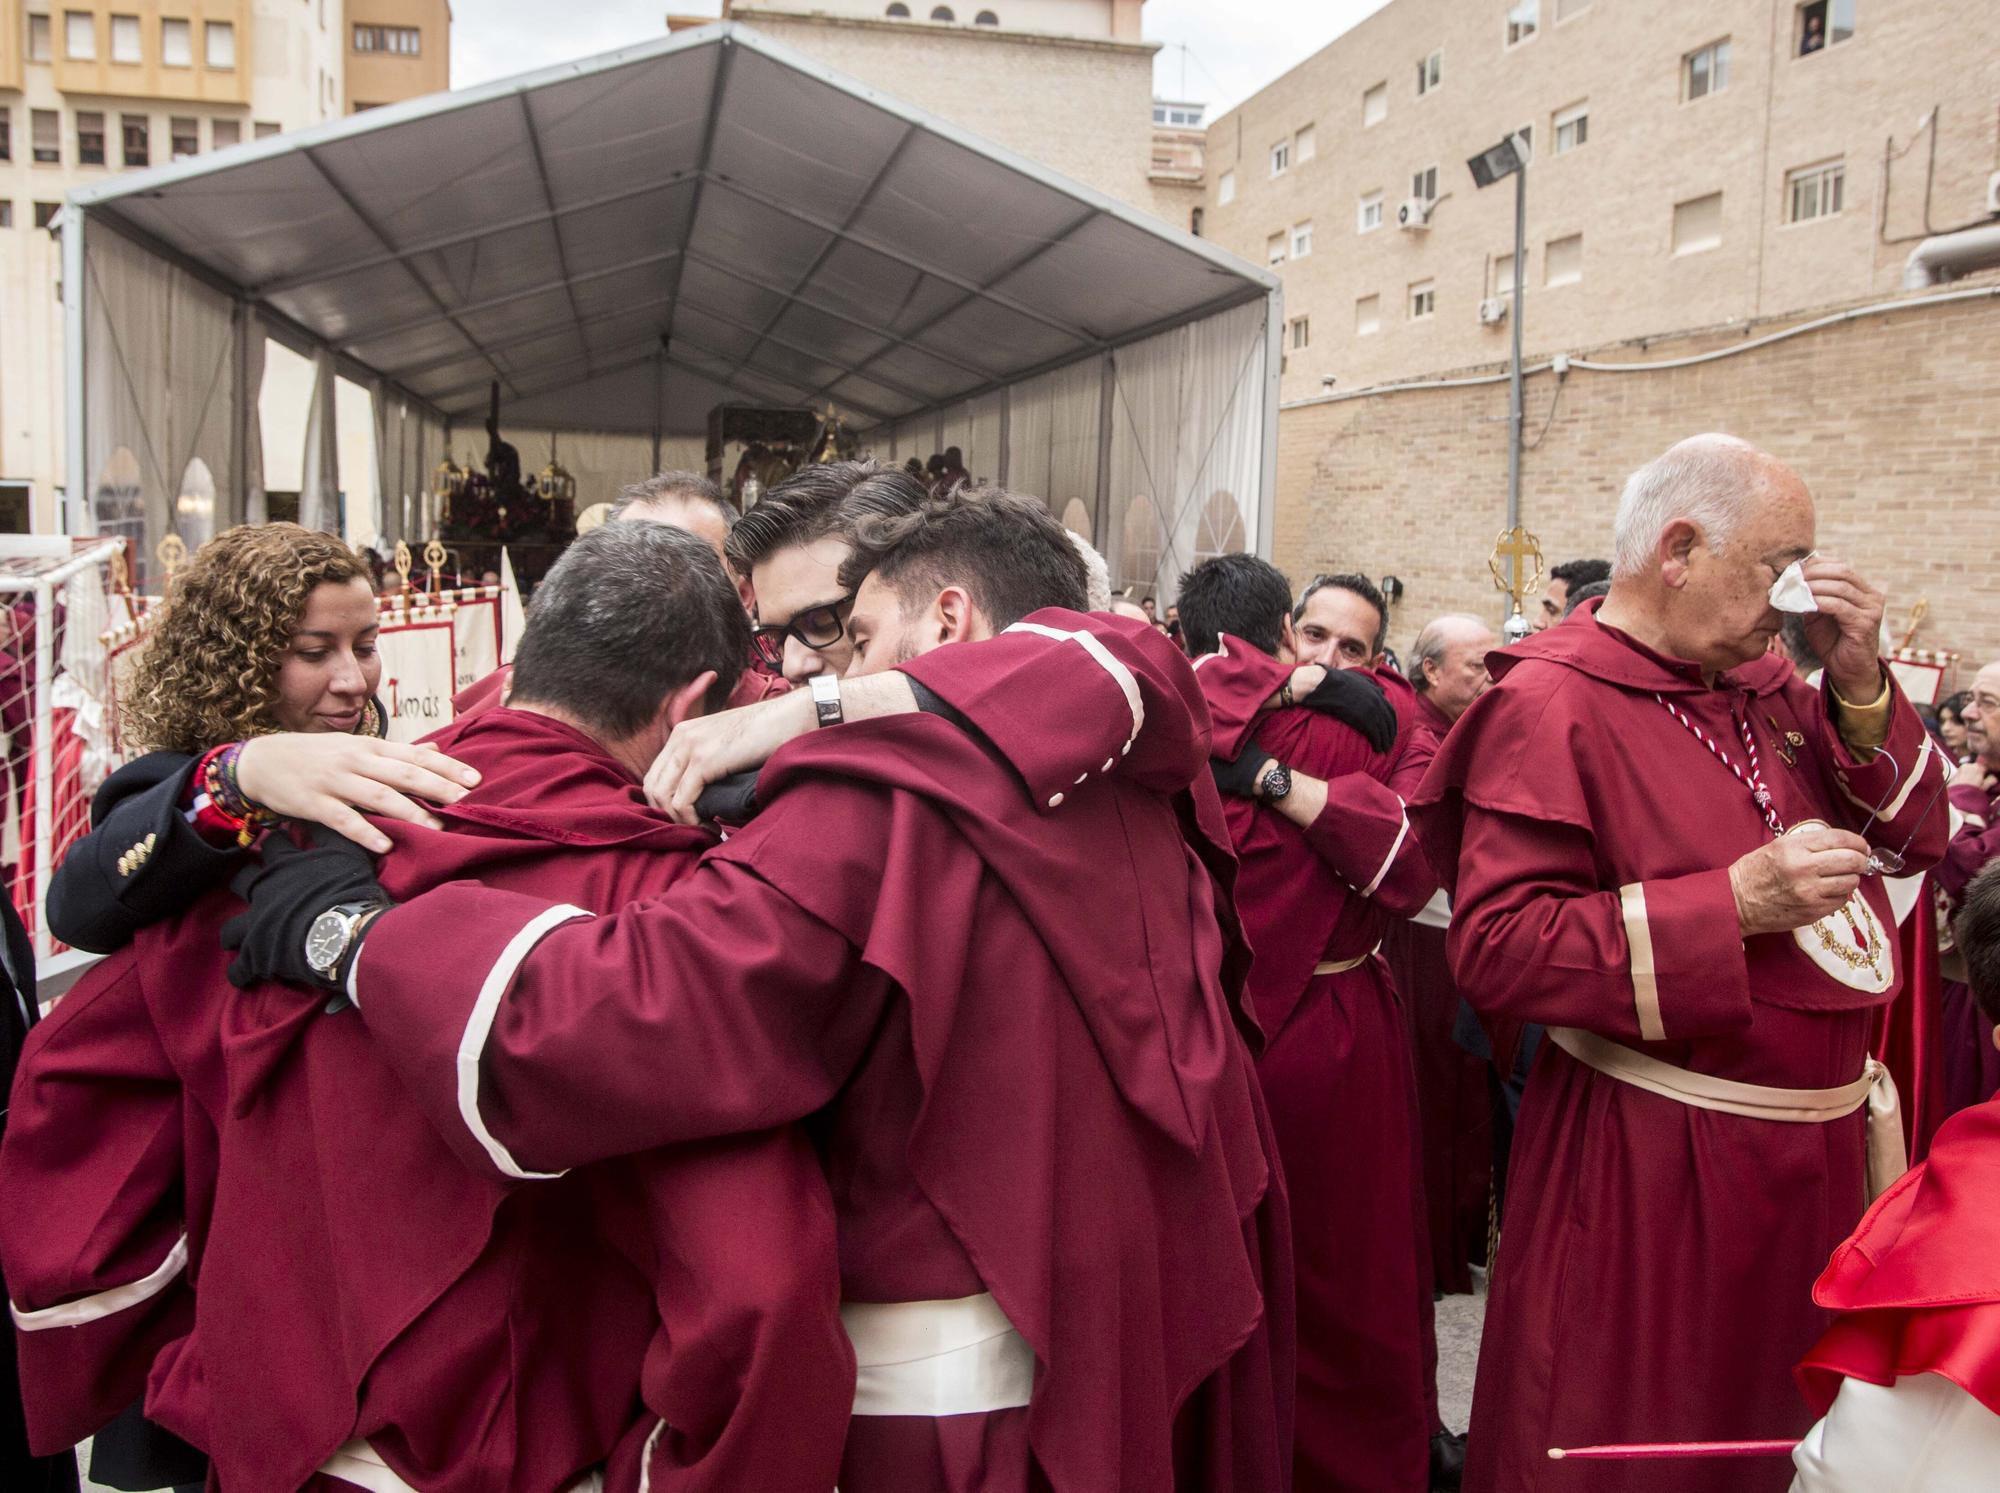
[1601,651]
[1919,1279]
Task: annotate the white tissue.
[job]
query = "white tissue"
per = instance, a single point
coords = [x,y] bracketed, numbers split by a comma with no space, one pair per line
[1790,593]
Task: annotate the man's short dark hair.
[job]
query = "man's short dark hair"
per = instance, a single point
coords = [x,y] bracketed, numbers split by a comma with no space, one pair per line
[1362,587]
[1589,591]
[1008,553]
[1976,932]
[1577,573]
[629,614]
[1237,594]
[817,500]
[673,487]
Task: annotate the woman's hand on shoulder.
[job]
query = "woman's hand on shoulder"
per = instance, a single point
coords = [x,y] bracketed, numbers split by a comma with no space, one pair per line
[332,779]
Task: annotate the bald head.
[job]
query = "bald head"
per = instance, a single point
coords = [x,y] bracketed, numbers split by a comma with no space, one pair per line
[686,501]
[1448,661]
[1982,716]
[1702,532]
[1120,607]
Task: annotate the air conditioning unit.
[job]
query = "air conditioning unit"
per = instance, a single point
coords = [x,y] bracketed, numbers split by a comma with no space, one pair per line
[1993,194]
[1414,216]
[1492,311]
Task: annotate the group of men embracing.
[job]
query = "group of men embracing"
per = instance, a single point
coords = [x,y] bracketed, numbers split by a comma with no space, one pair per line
[873,1085]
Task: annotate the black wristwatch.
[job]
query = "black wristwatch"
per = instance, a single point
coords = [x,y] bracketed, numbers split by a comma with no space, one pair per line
[331,938]
[1275,784]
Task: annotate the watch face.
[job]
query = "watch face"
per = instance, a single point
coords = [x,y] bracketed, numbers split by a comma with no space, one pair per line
[326,941]
[1277,782]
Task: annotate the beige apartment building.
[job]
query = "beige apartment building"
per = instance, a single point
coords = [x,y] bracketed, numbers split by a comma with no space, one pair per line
[91,87]
[1703,164]
[1067,83]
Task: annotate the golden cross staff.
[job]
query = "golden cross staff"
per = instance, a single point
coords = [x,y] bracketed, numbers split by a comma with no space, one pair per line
[434,560]
[172,554]
[1517,546]
[403,562]
[1917,614]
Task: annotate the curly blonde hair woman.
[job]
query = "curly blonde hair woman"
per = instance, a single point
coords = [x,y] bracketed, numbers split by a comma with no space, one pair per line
[270,628]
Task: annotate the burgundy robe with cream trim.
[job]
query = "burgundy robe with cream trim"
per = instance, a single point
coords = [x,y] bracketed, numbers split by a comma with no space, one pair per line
[1337,1075]
[997,976]
[1971,1065]
[1656,1259]
[351,1278]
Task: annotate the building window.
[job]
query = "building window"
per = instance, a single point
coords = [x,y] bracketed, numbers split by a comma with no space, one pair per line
[1503,275]
[45,213]
[1572,128]
[1706,71]
[403,41]
[942,13]
[1368,316]
[1523,18]
[38,38]
[1424,184]
[263,129]
[1274,249]
[899,12]
[136,136]
[1179,116]
[1301,333]
[1824,23]
[1368,213]
[6,212]
[223,133]
[1562,260]
[184,137]
[6,133]
[1375,105]
[1305,146]
[1302,239]
[46,126]
[986,18]
[89,138]
[1815,191]
[1195,216]
[1430,73]
[1567,8]
[79,36]
[1281,158]
[176,46]
[125,39]
[1225,189]
[1423,299]
[1698,224]
[219,45]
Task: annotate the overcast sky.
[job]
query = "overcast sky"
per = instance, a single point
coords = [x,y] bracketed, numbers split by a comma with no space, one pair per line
[1226,49]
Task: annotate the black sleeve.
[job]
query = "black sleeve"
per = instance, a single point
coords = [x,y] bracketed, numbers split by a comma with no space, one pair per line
[141,862]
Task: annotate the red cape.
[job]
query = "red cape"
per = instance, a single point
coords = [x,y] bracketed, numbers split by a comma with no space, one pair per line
[1918,1282]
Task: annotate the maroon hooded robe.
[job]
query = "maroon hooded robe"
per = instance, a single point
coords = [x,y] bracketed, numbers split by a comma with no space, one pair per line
[1337,1075]
[1656,1263]
[349,1278]
[999,979]
[1971,1065]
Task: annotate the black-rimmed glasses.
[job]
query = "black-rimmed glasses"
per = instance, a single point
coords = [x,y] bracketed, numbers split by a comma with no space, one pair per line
[816,627]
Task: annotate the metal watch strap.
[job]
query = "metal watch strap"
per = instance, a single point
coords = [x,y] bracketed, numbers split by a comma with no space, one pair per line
[826,699]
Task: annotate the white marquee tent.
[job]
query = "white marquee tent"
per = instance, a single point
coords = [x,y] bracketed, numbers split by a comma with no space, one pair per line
[626,242]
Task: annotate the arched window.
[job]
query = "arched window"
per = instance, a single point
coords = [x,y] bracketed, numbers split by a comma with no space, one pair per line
[1076,517]
[1139,555]
[942,13]
[194,507]
[986,18]
[899,11]
[119,505]
[1220,531]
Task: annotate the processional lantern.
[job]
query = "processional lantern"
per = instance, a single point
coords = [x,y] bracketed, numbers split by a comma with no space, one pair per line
[1517,547]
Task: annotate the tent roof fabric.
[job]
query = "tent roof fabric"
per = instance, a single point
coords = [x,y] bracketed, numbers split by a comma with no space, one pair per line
[788,235]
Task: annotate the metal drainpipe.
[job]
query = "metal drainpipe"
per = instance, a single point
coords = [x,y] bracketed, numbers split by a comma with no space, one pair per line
[1950,255]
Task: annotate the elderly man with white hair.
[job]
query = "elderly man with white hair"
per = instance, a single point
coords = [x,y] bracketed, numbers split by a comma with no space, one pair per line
[1663,845]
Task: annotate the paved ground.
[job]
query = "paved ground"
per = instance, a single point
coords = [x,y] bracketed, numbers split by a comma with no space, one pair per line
[1459,1322]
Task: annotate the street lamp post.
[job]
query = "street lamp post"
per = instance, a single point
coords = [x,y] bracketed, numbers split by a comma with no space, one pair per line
[1510,158]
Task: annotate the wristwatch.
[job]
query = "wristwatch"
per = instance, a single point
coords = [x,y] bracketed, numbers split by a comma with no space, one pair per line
[826,699]
[331,937]
[1275,784]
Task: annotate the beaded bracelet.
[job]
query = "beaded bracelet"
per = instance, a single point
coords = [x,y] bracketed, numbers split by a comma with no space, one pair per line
[226,794]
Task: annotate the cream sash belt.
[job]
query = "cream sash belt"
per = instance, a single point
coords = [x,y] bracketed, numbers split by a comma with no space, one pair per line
[937,1357]
[1342,966]
[360,1464]
[1875,1088]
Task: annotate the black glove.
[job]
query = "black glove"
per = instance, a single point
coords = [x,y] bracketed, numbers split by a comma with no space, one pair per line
[731,800]
[1239,779]
[287,889]
[1357,700]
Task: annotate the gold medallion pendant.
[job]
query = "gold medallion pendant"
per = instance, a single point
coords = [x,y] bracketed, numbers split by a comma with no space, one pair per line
[1849,943]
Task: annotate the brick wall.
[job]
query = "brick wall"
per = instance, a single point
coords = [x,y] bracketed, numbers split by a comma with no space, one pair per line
[1893,421]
